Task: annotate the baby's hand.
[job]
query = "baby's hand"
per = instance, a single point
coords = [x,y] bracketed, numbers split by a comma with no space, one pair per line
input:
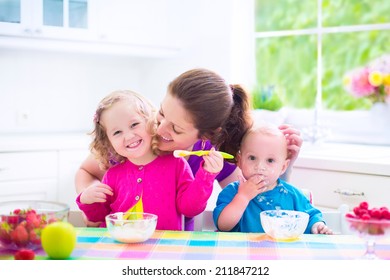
[95,193]
[213,162]
[252,187]
[320,228]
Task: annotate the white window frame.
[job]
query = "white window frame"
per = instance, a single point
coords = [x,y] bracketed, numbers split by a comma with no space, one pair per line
[335,126]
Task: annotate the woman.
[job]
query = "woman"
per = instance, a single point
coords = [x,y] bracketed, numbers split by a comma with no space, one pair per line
[200,110]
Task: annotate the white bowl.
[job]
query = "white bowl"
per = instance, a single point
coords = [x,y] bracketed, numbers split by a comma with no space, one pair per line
[138,227]
[284,224]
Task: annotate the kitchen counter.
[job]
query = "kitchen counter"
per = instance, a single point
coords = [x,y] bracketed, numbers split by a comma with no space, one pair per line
[363,159]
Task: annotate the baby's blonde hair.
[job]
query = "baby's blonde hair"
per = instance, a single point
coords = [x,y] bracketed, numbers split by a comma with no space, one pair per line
[265,128]
[100,145]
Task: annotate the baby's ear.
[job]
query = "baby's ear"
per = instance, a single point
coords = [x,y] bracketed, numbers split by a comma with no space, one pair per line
[238,159]
[285,165]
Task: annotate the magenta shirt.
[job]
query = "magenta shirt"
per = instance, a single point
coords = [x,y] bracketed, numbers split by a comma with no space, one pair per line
[167,187]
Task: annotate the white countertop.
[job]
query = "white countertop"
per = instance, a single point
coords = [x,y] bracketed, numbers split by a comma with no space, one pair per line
[43,141]
[364,159]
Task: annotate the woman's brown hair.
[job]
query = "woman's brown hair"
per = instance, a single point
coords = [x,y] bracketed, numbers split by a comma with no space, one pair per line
[220,112]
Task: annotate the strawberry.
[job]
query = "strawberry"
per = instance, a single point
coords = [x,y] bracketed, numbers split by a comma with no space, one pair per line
[20,235]
[5,237]
[24,254]
[12,220]
[52,220]
[34,237]
[33,221]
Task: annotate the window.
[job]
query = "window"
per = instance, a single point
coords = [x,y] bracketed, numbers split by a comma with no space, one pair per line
[303,50]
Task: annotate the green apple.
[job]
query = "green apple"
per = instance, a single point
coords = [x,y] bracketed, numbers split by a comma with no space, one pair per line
[58,240]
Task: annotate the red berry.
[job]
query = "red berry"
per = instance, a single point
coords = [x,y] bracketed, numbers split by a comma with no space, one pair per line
[24,254]
[356,210]
[385,214]
[363,205]
[375,213]
[365,216]
[350,215]
[5,237]
[19,235]
[363,212]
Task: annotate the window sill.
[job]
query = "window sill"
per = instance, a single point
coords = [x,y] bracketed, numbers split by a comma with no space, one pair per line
[352,127]
[363,159]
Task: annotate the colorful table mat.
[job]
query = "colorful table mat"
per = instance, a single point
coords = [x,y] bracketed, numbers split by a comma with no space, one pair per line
[96,243]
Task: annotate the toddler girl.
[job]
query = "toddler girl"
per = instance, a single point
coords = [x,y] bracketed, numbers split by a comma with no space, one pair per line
[124,142]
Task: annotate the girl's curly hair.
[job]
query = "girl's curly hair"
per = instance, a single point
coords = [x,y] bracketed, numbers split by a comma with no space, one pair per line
[100,145]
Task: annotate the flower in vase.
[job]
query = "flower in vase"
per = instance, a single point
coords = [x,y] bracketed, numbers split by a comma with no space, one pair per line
[371,81]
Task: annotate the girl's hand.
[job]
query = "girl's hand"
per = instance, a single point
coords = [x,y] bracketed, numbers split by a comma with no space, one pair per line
[89,223]
[96,192]
[252,187]
[320,228]
[213,162]
[294,141]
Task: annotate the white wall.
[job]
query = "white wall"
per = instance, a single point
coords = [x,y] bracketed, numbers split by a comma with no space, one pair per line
[59,91]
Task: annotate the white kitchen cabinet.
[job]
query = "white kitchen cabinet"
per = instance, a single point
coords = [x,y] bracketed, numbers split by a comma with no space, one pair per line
[114,27]
[332,188]
[28,175]
[41,166]
[132,21]
[135,23]
[47,19]
[42,189]
[344,174]
[69,162]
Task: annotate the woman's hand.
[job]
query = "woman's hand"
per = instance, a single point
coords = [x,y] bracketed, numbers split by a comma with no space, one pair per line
[213,162]
[96,192]
[294,141]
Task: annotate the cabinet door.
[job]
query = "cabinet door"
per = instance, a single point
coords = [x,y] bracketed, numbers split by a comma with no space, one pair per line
[133,22]
[16,17]
[69,163]
[68,19]
[61,19]
[28,175]
[332,188]
[16,166]
[43,189]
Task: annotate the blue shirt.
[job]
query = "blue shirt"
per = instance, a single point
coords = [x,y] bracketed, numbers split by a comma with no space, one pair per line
[283,196]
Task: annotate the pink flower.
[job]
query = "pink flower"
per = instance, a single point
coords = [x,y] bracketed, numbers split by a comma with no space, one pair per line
[371,81]
[358,83]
